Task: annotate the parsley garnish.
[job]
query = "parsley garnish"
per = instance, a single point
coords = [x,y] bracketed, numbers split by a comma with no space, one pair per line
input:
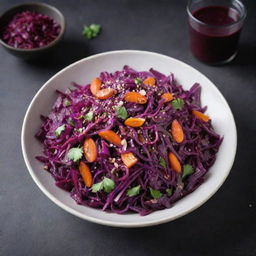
[66,103]
[187,170]
[88,116]
[91,31]
[169,191]
[162,162]
[106,184]
[75,154]
[97,187]
[178,104]
[59,130]
[71,122]
[155,193]
[121,112]
[137,80]
[133,191]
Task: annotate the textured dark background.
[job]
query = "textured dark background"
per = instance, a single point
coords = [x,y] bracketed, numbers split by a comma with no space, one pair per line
[32,225]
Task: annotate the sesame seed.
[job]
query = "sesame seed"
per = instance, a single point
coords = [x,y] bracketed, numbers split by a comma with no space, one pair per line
[142,92]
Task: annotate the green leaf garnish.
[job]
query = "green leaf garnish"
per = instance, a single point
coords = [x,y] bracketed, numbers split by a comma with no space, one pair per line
[155,193]
[75,154]
[187,170]
[178,104]
[91,31]
[97,187]
[106,184]
[133,191]
[162,162]
[66,103]
[169,191]
[121,112]
[88,116]
[137,80]
[71,122]
[59,130]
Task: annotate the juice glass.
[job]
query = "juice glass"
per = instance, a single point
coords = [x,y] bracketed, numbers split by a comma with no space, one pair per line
[214,29]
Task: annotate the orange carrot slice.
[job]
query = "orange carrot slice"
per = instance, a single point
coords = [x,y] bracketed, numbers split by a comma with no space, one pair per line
[141,138]
[174,162]
[200,115]
[167,97]
[134,121]
[90,150]
[111,136]
[105,93]
[129,159]
[135,97]
[150,81]
[177,131]
[86,174]
[95,85]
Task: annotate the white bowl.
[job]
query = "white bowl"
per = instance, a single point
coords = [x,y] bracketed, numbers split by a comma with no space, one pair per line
[83,72]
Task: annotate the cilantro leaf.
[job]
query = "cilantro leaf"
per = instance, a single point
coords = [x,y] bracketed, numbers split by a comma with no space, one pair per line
[178,104]
[75,154]
[169,191]
[137,80]
[88,116]
[155,193]
[66,103]
[59,130]
[91,31]
[108,184]
[187,170]
[97,187]
[162,162]
[71,122]
[121,112]
[133,191]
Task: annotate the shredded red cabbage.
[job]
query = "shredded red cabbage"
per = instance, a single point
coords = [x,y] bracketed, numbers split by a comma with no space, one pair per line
[28,30]
[152,172]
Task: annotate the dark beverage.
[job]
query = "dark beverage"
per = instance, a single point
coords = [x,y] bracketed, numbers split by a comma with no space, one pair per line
[214,37]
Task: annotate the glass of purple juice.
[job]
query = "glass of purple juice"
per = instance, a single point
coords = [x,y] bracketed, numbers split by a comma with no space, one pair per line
[214,29]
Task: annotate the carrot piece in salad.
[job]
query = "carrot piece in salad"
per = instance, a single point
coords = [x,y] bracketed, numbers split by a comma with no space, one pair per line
[174,162]
[95,85]
[200,115]
[141,138]
[129,159]
[167,97]
[177,131]
[90,150]
[135,97]
[86,174]
[111,136]
[151,81]
[105,93]
[134,122]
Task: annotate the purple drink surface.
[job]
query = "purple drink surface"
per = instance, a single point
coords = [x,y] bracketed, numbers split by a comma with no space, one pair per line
[212,41]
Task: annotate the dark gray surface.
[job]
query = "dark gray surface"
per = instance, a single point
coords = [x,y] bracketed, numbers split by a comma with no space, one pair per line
[32,225]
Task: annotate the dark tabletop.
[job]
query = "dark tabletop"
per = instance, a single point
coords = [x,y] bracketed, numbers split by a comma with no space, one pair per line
[32,225]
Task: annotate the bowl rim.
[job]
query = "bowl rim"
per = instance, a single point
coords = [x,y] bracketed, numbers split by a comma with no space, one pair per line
[108,222]
[56,40]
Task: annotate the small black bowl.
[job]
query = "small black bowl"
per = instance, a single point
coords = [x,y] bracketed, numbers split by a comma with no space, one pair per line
[42,8]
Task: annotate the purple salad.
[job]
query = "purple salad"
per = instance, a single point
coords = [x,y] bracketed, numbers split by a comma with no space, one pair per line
[128,142]
[29,30]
